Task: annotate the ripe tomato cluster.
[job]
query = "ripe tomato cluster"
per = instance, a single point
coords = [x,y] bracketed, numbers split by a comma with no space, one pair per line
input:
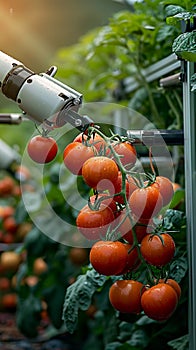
[118,220]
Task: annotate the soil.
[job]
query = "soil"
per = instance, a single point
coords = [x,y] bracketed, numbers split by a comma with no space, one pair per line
[12,339]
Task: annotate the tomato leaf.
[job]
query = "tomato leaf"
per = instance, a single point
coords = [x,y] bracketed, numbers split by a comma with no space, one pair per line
[173,219]
[184,46]
[193,82]
[78,296]
[178,197]
[139,339]
[179,268]
[28,316]
[116,345]
[172,10]
[180,343]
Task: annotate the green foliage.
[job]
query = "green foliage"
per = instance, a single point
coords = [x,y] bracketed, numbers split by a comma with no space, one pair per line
[78,296]
[105,57]
[185,46]
[28,320]
[180,343]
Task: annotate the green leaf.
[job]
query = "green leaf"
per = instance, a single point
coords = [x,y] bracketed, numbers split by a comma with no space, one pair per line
[78,296]
[28,316]
[172,10]
[173,219]
[139,339]
[113,346]
[181,343]
[54,298]
[20,213]
[178,197]
[185,46]
[193,82]
[179,268]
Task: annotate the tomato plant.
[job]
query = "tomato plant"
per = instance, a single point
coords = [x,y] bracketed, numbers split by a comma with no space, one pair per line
[125,296]
[42,149]
[75,155]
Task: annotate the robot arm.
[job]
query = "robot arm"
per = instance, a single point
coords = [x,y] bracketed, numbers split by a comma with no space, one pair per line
[42,98]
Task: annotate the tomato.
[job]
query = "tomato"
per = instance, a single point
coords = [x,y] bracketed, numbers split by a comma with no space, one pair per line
[6,186]
[42,149]
[159,302]
[8,238]
[124,223]
[140,230]
[173,284]
[22,173]
[100,172]
[93,224]
[130,186]
[103,198]
[5,284]
[96,140]
[127,153]
[146,202]
[165,188]
[39,266]
[125,296]
[155,252]
[9,300]
[78,256]
[108,257]
[133,260]
[10,260]
[6,211]
[75,155]
[176,186]
[10,224]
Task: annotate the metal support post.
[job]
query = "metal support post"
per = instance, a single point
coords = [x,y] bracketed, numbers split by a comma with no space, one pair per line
[189,107]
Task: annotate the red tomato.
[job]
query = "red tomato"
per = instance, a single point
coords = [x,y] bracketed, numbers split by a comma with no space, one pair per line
[133,260]
[108,257]
[93,224]
[75,155]
[155,252]
[100,172]
[6,186]
[124,223]
[6,211]
[176,186]
[127,153]
[146,202]
[10,224]
[125,296]
[42,149]
[140,230]
[103,198]
[159,302]
[130,186]
[97,141]
[165,188]
[173,284]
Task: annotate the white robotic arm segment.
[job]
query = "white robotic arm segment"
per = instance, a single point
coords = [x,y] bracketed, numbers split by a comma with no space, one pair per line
[39,96]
